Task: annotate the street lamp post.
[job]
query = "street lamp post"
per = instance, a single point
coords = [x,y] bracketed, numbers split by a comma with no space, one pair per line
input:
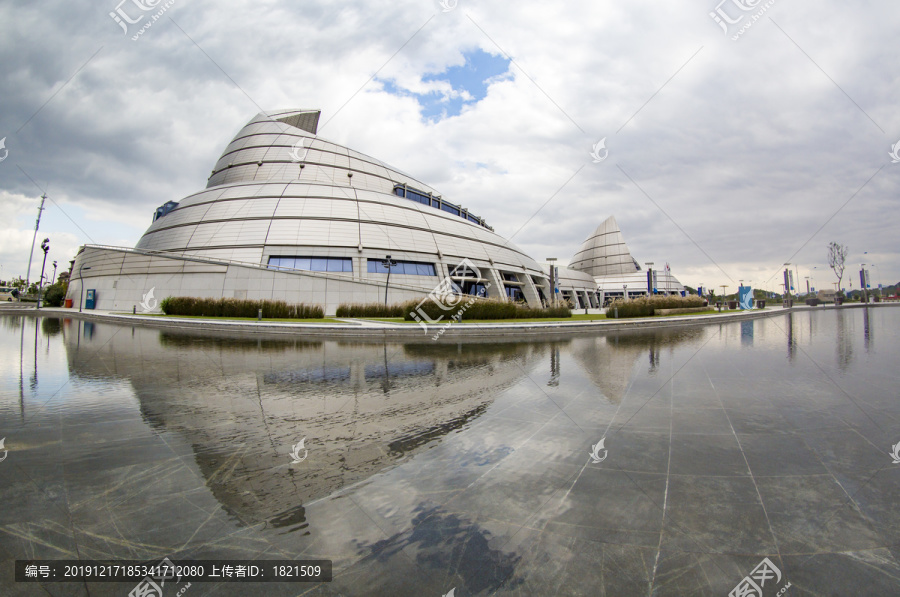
[45,246]
[787,287]
[864,283]
[552,261]
[37,225]
[53,279]
[81,279]
[388,263]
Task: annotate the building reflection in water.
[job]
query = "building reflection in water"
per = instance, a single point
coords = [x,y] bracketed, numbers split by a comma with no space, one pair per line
[608,361]
[243,403]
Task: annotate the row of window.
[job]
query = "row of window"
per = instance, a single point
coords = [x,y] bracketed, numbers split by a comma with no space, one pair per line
[313,264]
[345,264]
[414,268]
[420,197]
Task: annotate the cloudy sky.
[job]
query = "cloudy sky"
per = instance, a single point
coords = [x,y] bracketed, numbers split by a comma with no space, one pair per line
[736,142]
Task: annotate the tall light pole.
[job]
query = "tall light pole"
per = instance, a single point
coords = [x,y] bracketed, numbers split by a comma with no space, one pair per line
[552,262]
[864,282]
[34,238]
[45,247]
[787,284]
[388,263]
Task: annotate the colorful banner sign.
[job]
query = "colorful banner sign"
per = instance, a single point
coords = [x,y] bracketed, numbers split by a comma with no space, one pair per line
[745,297]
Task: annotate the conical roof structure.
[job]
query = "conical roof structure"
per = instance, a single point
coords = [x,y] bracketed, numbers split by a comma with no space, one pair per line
[605,253]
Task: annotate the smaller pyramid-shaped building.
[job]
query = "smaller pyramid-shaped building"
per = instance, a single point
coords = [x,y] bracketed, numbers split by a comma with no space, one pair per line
[605,253]
[605,257]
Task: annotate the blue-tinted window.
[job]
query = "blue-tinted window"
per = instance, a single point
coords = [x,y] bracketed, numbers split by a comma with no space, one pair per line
[513,292]
[423,199]
[426,199]
[410,268]
[313,264]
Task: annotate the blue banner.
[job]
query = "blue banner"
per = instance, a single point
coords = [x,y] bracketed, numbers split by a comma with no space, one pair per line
[745,297]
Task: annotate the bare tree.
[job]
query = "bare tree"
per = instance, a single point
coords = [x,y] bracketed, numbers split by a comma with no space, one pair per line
[837,254]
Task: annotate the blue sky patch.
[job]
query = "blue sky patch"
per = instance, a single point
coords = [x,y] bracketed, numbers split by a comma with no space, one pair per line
[469,84]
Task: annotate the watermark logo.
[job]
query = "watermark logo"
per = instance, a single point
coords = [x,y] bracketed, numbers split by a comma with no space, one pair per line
[895,454]
[123,19]
[596,148]
[725,20]
[5,451]
[299,151]
[295,453]
[895,151]
[6,151]
[451,593]
[595,452]
[447,6]
[148,302]
[448,295]
[752,584]
[165,570]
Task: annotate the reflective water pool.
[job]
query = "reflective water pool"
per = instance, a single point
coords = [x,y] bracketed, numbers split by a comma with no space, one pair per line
[667,462]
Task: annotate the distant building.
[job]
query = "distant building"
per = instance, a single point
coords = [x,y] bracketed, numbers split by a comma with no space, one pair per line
[606,258]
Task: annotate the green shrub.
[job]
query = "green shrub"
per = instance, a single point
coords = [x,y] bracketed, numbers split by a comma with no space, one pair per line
[369,310]
[473,308]
[646,306]
[54,295]
[231,307]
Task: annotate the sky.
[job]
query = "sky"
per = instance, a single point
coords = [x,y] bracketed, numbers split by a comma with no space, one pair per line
[735,137]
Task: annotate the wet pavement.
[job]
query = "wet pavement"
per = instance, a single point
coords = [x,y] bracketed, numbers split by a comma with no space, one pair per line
[666,462]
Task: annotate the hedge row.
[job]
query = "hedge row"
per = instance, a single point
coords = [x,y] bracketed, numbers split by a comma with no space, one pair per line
[369,310]
[645,306]
[231,307]
[472,308]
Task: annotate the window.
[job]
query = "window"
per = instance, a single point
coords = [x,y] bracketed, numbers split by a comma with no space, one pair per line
[313,264]
[164,209]
[514,293]
[463,271]
[426,199]
[510,277]
[410,268]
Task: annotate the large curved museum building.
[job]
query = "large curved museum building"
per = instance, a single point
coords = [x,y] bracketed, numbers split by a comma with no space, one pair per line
[288,215]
